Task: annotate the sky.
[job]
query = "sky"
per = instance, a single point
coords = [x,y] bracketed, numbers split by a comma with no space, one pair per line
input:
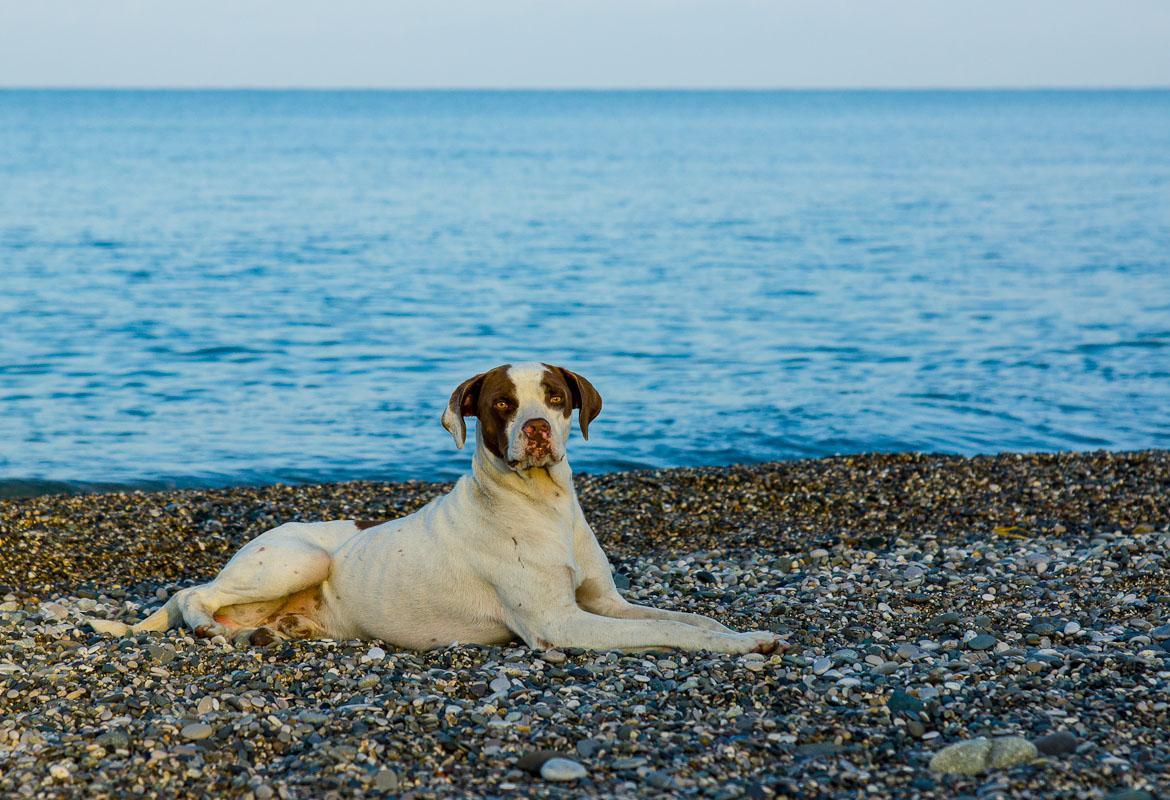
[585,43]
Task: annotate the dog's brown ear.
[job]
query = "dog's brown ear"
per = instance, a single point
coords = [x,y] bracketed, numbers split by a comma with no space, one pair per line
[585,397]
[462,404]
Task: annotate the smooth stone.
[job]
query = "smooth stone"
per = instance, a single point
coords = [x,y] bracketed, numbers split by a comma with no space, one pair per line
[554,657]
[562,769]
[386,780]
[916,728]
[820,552]
[1072,628]
[913,572]
[660,780]
[983,641]
[621,581]
[587,747]
[197,730]
[59,771]
[313,718]
[886,668]
[161,655]
[534,761]
[1043,628]
[944,620]
[973,756]
[1055,744]
[822,665]
[1161,632]
[500,684]
[1132,794]
[909,652]
[263,792]
[902,701]
[629,763]
[114,740]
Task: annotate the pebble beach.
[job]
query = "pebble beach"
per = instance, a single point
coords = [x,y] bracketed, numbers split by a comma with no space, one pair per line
[996,626]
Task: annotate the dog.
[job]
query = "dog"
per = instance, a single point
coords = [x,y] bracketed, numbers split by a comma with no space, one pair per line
[506,553]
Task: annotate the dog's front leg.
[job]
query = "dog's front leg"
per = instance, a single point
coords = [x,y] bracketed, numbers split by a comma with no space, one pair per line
[614,605]
[574,627]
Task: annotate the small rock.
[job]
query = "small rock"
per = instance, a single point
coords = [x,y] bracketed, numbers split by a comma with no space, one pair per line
[1055,744]
[554,656]
[196,731]
[500,684]
[983,641]
[660,780]
[205,706]
[1132,794]
[534,761]
[562,769]
[587,747]
[161,655]
[822,665]
[263,792]
[621,581]
[114,740]
[386,780]
[1072,628]
[973,756]
[1161,632]
[820,552]
[916,728]
[54,610]
[313,718]
[902,701]
[59,771]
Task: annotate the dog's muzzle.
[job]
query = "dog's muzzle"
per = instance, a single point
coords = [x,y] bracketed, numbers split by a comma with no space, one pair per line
[537,446]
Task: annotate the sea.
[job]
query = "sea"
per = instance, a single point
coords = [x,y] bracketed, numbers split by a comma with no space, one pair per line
[214,288]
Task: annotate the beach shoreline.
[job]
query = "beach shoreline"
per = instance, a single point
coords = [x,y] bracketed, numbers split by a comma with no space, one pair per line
[923,600]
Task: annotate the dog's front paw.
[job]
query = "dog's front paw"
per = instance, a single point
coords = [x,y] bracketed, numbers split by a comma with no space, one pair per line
[213,629]
[759,641]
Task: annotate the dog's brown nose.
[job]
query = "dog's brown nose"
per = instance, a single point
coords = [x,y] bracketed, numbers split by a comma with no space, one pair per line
[537,427]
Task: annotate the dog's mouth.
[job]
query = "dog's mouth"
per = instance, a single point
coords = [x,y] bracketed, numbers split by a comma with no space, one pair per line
[538,452]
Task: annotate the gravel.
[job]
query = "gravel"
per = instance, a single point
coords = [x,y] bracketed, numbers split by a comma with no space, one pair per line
[879,571]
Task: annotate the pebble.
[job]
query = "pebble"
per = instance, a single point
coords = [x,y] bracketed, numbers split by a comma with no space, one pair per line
[386,780]
[562,769]
[197,730]
[982,642]
[1055,744]
[973,756]
[500,685]
[1072,628]
[263,792]
[903,701]
[59,771]
[822,665]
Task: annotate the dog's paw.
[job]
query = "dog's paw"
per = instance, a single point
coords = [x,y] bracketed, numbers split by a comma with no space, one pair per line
[212,630]
[108,626]
[760,641]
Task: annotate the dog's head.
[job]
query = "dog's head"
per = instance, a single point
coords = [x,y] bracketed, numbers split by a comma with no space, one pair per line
[524,412]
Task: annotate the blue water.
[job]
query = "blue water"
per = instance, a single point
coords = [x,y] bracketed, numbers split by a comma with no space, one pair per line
[205,288]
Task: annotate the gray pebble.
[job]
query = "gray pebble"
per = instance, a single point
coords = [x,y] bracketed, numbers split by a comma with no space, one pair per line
[197,730]
[1055,744]
[562,769]
[983,641]
[386,780]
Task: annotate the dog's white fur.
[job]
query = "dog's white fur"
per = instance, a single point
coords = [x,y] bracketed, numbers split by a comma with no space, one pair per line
[506,553]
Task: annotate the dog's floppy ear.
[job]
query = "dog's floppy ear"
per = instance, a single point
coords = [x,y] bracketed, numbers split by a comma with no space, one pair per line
[585,397]
[462,404]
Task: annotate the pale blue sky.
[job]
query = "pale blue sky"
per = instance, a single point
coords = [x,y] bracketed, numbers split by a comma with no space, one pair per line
[597,44]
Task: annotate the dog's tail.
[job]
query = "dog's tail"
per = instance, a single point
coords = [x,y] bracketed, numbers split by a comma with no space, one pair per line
[163,619]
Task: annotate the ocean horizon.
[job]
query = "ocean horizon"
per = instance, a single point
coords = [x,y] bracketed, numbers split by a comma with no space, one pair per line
[220,287]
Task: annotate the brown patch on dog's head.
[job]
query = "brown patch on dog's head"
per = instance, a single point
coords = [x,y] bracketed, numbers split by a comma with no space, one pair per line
[558,380]
[491,397]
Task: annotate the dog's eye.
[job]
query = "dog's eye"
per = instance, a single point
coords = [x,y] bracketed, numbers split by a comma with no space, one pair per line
[556,399]
[501,404]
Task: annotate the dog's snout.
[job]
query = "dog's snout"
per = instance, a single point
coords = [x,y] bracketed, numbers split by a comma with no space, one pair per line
[537,427]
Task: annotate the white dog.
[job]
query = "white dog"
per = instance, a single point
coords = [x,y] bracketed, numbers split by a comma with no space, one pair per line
[506,553]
